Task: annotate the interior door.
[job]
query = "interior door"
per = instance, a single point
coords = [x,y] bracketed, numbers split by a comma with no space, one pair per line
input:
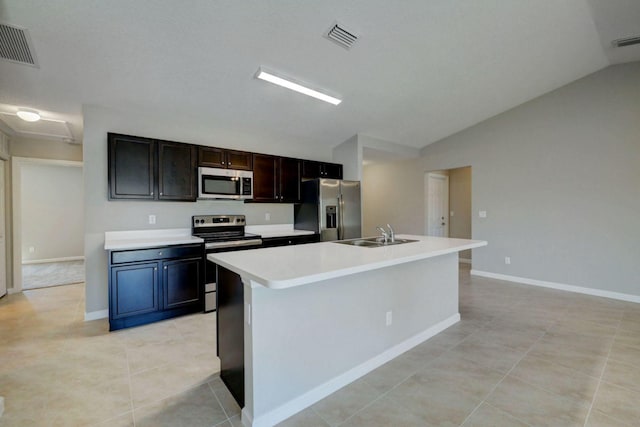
[437,205]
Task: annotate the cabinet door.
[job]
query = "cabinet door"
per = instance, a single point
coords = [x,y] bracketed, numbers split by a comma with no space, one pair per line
[211,157]
[310,169]
[176,171]
[134,290]
[264,178]
[289,180]
[332,170]
[239,160]
[131,167]
[182,282]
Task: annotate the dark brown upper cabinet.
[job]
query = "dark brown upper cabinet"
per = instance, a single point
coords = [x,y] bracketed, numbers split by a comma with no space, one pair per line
[229,159]
[276,179]
[147,169]
[131,167]
[312,170]
[176,171]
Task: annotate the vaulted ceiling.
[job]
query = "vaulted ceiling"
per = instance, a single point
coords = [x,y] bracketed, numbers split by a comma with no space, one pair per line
[419,71]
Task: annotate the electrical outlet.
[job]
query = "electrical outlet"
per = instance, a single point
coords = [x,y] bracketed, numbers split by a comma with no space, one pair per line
[31,249]
[482,214]
[451,213]
[389,318]
[267,216]
[507,260]
[152,219]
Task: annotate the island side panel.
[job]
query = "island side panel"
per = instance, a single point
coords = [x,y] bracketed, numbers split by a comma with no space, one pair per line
[230,331]
[305,336]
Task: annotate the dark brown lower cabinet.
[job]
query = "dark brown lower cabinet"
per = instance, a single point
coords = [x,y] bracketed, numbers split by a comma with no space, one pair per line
[147,285]
[230,332]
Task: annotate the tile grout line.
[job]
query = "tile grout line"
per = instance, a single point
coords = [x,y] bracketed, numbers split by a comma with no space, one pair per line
[133,413]
[401,382]
[224,411]
[502,379]
[604,368]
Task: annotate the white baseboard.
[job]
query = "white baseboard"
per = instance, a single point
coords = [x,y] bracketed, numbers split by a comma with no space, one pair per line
[43,261]
[95,315]
[464,260]
[560,286]
[296,405]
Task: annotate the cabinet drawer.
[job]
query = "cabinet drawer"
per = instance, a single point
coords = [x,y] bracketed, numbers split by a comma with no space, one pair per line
[167,252]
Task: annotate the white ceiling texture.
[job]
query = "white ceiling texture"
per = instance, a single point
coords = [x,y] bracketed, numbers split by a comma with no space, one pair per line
[419,71]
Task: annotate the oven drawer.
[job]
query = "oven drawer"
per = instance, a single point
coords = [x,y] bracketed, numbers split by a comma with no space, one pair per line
[167,252]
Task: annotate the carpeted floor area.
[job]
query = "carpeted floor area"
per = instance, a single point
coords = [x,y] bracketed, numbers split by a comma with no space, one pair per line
[52,274]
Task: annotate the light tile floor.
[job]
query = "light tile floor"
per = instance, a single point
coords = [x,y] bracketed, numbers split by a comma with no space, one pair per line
[521,356]
[57,370]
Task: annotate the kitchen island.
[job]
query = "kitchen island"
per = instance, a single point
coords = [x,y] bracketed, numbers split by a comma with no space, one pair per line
[315,317]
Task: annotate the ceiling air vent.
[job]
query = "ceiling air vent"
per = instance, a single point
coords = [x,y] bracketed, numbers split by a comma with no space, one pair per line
[15,45]
[628,41]
[341,36]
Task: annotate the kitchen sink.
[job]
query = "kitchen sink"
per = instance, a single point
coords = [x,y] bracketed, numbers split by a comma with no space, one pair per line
[373,242]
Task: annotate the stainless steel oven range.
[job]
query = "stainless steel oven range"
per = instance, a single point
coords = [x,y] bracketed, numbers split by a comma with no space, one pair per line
[221,233]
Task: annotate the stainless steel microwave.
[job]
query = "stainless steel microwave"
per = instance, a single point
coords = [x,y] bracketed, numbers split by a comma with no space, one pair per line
[215,183]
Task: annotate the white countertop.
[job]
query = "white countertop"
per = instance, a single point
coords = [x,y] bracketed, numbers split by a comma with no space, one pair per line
[276,230]
[140,239]
[296,265]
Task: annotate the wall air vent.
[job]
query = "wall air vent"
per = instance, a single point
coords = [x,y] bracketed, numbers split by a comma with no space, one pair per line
[628,41]
[341,36]
[16,46]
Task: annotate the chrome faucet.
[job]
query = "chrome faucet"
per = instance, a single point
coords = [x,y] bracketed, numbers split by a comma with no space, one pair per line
[384,233]
[392,233]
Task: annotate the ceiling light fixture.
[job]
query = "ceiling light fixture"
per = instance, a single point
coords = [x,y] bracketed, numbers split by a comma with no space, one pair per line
[28,115]
[280,81]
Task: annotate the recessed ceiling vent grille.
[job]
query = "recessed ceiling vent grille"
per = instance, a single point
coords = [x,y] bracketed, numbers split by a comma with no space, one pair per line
[341,36]
[629,41]
[15,45]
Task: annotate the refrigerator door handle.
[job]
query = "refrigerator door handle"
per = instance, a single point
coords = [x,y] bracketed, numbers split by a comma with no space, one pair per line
[340,218]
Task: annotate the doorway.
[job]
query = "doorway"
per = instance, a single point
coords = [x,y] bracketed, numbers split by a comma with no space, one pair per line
[437,186]
[448,205]
[48,223]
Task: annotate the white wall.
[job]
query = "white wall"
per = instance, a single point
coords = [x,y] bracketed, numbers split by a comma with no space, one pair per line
[559,178]
[102,215]
[393,193]
[52,211]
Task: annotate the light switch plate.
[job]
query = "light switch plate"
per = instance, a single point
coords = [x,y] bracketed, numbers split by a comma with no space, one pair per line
[152,219]
[482,214]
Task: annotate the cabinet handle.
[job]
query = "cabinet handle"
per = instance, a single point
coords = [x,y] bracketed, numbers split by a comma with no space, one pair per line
[159,253]
[151,193]
[155,268]
[165,267]
[229,163]
[161,193]
[222,163]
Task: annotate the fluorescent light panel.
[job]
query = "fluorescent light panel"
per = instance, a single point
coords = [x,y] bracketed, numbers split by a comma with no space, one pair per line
[271,78]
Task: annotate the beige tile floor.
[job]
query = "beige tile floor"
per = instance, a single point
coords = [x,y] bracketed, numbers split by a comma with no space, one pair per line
[57,370]
[521,356]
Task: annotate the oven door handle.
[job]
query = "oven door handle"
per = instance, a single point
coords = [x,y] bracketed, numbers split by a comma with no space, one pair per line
[232,244]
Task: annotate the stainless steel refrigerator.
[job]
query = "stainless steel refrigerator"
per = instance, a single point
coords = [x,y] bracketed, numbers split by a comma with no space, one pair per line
[330,207]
